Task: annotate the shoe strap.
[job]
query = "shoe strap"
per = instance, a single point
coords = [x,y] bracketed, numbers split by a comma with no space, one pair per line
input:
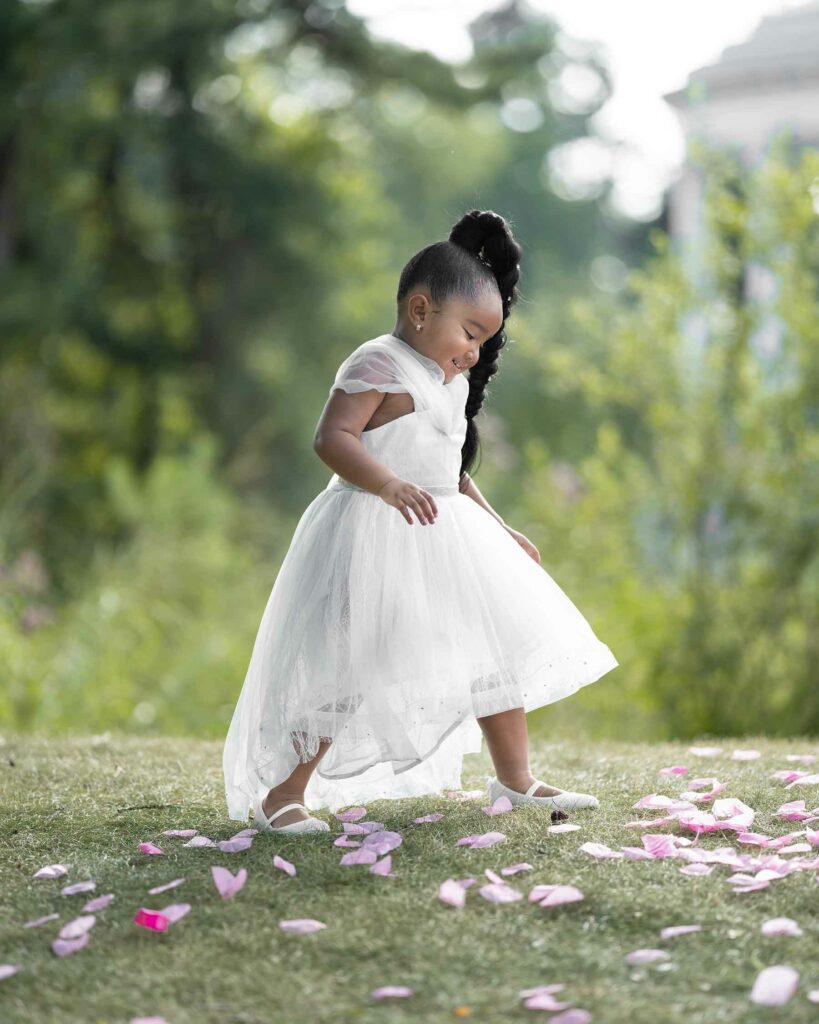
[533,787]
[281,810]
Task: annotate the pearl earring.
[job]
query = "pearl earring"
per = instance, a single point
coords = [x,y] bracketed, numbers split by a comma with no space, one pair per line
[417,327]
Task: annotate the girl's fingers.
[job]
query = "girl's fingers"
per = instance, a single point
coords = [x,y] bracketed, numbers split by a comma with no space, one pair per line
[433,506]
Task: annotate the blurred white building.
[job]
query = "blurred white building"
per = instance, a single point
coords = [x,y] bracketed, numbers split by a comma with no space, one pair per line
[757,89]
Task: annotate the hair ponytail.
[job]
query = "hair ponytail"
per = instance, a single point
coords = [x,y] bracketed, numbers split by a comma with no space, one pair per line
[480,253]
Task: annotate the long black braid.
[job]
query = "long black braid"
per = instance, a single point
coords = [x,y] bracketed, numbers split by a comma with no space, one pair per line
[480,252]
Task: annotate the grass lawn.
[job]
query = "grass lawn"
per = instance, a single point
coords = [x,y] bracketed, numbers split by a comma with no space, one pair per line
[75,802]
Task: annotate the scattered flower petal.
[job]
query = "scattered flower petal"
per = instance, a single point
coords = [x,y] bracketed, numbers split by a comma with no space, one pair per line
[168,885]
[65,947]
[284,865]
[679,929]
[40,920]
[150,848]
[391,991]
[646,956]
[7,970]
[152,920]
[56,870]
[452,892]
[86,886]
[301,925]
[428,817]
[780,926]
[98,903]
[226,883]
[775,985]
[352,814]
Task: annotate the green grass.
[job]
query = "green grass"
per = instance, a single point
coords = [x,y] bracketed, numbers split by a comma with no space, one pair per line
[66,800]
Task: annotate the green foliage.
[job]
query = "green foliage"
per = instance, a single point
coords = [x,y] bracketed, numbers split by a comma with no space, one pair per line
[689,534]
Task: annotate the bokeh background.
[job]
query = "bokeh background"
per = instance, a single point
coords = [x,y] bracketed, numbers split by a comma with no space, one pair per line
[205,207]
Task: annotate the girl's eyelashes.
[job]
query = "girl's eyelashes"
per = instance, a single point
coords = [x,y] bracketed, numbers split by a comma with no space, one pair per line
[470,336]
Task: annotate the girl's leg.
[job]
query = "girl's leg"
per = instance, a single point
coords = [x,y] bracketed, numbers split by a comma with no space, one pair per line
[508,743]
[292,789]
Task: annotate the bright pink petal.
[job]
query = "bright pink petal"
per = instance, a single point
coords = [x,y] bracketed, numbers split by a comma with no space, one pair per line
[659,845]
[674,769]
[391,992]
[152,920]
[775,985]
[301,925]
[150,848]
[65,947]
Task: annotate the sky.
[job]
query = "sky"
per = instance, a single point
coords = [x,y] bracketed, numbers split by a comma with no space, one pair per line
[650,47]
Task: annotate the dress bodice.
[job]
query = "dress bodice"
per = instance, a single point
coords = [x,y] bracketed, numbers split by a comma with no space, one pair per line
[423,446]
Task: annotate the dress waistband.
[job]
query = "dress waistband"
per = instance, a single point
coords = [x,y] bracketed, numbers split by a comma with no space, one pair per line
[438,490]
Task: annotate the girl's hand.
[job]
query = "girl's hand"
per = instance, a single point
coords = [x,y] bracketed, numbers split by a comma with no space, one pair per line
[403,495]
[525,543]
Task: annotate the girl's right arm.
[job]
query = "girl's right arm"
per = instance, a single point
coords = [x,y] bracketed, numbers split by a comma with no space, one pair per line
[337,442]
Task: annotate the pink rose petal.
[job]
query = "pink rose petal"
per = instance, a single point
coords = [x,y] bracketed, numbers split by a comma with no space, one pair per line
[362,856]
[544,1001]
[98,903]
[150,848]
[428,817]
[301,925]
[561,894]
[175,911]
[452,892]
[646,956]
[7,970]
[383,867]
[382,842]
[152,920]
[344,840]
[168,885]
[679,929]
[40,920]
[500,892]
[85,886]
[227,884]
[199,841]
[499,806]
[235,845]
[513,869]
[780,926]
[574,1016]
[352,814]
[774,986]
[56,870]
[65,947]
[599,850]
[391,992]
[674,769]
[284,865]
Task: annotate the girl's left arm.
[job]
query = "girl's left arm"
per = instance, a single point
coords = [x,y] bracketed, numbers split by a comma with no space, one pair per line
[468,487]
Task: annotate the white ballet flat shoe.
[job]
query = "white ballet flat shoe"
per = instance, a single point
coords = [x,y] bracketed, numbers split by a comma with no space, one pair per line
[310,824]
[565,801]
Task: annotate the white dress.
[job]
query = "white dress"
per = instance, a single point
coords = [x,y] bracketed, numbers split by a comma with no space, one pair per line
[392,638]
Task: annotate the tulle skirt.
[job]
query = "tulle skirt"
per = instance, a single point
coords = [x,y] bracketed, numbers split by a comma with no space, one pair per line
[391,639]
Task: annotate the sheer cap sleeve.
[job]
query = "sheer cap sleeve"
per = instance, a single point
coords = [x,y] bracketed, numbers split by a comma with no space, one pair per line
[371,369]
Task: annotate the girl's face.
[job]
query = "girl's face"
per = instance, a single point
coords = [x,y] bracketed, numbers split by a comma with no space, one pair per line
[452,335]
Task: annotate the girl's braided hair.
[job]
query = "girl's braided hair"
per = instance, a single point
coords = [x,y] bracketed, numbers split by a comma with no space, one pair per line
[480,253]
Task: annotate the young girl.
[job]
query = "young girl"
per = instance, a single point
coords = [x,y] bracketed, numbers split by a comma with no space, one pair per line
[408,620]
